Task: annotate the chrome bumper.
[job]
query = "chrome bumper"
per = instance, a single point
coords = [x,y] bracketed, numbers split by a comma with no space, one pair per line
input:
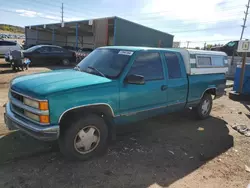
[40,132]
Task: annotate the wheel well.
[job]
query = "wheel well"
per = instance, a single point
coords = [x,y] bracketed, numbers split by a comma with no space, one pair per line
[103,111]
[211,91]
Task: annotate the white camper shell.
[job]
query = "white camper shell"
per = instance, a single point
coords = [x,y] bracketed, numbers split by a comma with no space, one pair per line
[204,62]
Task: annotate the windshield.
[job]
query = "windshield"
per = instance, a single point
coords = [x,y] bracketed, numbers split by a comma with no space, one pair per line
[231,44]
[32,48]
[105,62]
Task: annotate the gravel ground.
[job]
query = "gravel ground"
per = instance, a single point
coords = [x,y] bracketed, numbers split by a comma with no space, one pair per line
[174,150]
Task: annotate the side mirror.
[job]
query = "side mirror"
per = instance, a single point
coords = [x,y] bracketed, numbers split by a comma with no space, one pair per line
[135,79]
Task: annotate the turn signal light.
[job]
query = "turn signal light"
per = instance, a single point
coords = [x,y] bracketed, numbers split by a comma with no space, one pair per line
[43,105]
[44,119]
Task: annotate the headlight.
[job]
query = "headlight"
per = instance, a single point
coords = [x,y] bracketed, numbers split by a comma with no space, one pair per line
[32,116]
[31,103]
[41,118]
[41,105]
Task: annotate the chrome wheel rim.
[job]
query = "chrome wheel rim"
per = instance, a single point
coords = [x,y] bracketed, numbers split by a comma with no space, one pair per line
[65,62]
[87,139]
[205,107]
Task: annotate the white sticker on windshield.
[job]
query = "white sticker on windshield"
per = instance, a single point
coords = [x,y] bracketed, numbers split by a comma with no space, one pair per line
[126,53]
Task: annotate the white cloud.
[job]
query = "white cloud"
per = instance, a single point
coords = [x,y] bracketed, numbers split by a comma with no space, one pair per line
[195,10]
[27,13]
[192,15]
[73,19]
[33,14]
[51,18]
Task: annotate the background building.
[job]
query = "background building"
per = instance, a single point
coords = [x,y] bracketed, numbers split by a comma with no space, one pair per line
[96,33]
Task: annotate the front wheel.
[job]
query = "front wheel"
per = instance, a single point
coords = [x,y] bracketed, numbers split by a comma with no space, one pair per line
[85,138]
[205,106]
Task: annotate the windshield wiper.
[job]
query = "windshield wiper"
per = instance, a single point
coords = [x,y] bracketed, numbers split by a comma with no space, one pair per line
[95,69]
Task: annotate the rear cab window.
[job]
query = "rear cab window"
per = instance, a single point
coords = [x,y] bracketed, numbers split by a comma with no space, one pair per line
[210,61]
[173,65]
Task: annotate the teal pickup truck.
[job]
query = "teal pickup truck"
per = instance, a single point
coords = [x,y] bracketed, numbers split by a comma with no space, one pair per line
[112,86]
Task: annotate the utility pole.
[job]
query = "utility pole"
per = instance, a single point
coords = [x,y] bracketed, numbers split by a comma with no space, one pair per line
[242,32]
[62,16]
[244,19]
[242,73]
[188,43]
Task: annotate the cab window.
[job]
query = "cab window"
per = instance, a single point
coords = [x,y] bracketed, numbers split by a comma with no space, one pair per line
[173,64]
[148,65]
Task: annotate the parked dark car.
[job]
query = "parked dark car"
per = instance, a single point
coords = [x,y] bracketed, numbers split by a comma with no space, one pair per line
[229,48]
[81,53]
[72,48]
[49,54]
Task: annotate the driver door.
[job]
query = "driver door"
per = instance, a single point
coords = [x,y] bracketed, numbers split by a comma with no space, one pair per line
[151,95]
[41,56]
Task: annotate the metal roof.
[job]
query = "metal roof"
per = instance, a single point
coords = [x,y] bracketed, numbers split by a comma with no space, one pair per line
[83,23]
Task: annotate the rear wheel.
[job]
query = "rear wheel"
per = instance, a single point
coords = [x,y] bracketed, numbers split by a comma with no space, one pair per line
[65,62]
[85,138]
[205,106]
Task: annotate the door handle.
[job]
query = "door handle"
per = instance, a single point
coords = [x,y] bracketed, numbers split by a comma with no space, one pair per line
[164,87]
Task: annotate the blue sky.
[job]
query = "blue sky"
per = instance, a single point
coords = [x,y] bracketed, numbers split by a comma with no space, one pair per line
[213,21]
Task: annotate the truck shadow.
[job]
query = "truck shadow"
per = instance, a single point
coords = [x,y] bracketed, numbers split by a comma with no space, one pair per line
[159,151]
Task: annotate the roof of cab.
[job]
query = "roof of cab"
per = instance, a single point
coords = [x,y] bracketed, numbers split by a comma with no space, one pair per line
[183,50]
[131,48]
[203,52]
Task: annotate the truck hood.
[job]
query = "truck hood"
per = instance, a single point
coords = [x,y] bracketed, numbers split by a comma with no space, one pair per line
[43,84]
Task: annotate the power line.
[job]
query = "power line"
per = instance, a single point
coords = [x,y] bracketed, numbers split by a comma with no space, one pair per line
[54,4]
[213,28]
[183,31]
[195,30]
[45,17]
[21,7]
[206,41]
[47,3]
[74,10]
[147,18]
[146,13]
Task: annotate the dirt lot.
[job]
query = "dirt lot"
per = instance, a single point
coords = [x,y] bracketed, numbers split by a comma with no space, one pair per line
[174,150]
[6,74]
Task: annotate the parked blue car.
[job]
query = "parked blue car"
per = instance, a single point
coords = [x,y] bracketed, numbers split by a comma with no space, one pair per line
[112,86]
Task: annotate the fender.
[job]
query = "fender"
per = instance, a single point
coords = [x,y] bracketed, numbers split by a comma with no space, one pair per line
[88,105]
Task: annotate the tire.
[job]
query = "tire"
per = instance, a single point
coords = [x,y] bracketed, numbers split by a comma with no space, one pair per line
[235,96]
[13,68]
[204,108]
[75,140]
[65,62]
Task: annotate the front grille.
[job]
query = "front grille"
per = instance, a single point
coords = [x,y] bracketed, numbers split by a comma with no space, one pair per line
[17,96]
[17,109]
